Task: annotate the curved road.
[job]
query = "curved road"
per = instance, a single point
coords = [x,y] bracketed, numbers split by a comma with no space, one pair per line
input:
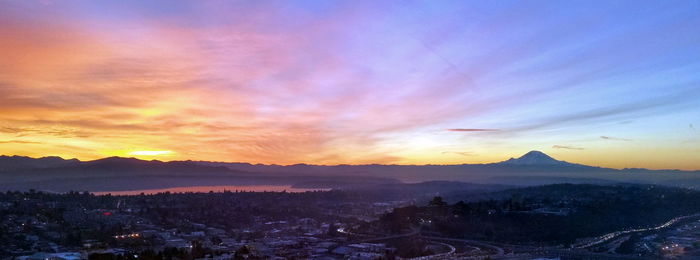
[437,256]
[413,232]
[499,251]
[606,237]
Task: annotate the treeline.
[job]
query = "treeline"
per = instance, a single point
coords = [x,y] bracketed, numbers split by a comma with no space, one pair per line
[552,214]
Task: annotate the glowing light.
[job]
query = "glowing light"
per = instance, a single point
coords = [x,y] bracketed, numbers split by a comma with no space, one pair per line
[151,153]
[290,89]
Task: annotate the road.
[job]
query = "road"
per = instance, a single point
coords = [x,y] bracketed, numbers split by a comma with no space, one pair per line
[576,252]
[445,255]
[607,237]
[414,231]
[498,250]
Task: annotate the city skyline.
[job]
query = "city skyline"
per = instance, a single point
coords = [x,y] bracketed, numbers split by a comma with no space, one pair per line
[333,82]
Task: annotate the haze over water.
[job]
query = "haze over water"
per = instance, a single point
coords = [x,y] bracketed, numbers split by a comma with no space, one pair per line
[204,189]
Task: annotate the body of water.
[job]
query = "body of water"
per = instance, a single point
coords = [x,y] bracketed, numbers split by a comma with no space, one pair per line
[233,188]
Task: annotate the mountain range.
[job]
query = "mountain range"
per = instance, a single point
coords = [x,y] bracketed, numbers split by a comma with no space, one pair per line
[117,173]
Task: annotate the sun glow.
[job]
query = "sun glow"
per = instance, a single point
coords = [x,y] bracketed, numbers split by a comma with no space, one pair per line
[150,153]
[302,87]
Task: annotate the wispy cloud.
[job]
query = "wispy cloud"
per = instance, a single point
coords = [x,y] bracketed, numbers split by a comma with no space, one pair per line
[18,142]
[460,153]
[472,130]
[609,112]
[47,130]
[281,82]
[150,153]
[615,138]
[568,147]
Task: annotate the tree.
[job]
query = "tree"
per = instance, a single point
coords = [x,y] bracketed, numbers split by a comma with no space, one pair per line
[242,253]
[437,202]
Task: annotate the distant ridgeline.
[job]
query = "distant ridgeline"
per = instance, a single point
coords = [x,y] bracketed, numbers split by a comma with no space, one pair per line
[118,174]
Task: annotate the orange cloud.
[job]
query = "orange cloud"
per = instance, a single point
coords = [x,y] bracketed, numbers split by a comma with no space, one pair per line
[275,83]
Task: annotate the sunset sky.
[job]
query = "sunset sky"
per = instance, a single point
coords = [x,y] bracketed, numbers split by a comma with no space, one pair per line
[606,83]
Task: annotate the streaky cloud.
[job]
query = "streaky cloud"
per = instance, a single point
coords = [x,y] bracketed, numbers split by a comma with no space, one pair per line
[472,130]
[678,100]
[460,153]
[18,142]
[567,147]
[615,138]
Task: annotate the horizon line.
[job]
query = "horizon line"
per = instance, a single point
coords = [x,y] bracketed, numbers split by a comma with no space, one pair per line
[345,164]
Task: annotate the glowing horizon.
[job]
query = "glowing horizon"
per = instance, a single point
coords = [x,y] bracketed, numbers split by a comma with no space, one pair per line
[352,82]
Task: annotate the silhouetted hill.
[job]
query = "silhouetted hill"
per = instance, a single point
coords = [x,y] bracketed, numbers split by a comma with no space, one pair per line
[118,173]
[133,165]
[533,168]
[8,163]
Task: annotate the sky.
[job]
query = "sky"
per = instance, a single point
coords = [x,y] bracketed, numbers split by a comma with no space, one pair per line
[605,83]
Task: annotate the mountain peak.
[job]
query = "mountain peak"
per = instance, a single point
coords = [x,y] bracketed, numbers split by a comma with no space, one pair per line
[536,154]
[116,160]
[534,158]
[16,162]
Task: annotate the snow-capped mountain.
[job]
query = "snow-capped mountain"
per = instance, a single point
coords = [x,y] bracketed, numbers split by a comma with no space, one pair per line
[535,158]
